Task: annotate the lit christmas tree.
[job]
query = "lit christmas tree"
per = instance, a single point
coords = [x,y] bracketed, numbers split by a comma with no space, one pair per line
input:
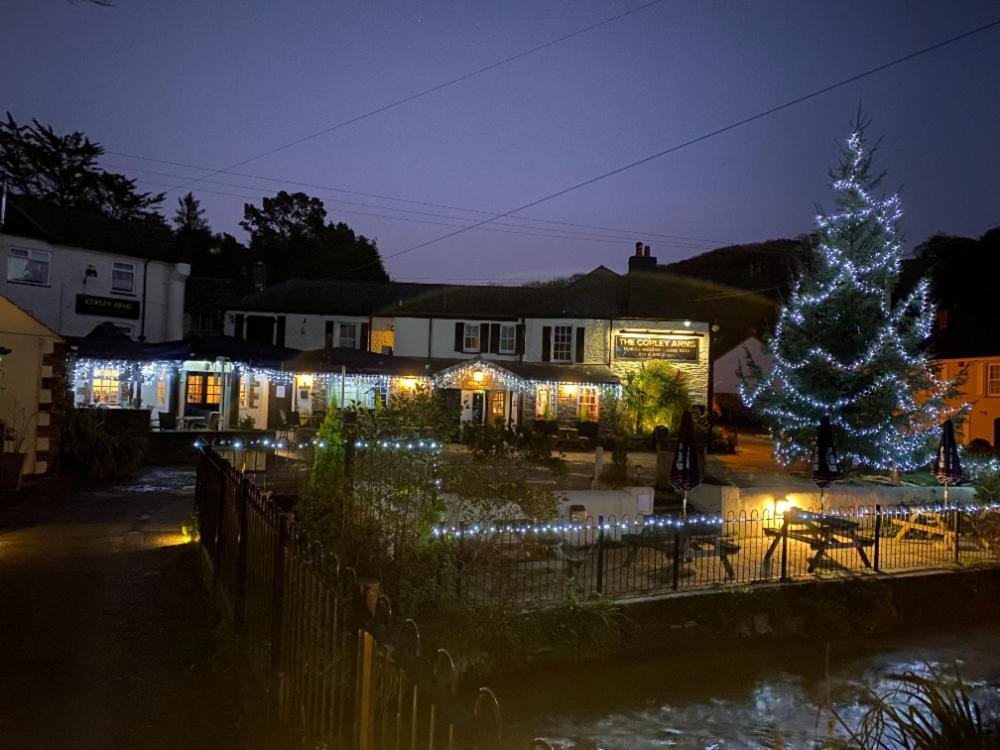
[842,348]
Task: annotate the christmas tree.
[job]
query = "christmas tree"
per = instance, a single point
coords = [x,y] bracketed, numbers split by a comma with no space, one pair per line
[843,348]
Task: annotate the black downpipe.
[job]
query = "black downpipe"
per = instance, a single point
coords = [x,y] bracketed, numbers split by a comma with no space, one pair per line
[142,320]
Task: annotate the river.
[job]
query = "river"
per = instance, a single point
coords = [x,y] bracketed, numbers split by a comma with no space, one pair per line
[744,696]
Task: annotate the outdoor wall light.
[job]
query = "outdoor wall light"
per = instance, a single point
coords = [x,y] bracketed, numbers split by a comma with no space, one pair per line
[478,376]
[570,390]
[90,273]
[408,384]
[782,506]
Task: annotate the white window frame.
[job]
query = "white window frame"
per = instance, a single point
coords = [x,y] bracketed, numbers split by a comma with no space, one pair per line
[551,393]
[26,256]
[558,332]
[993,379]
[342,341]
[591,396]
[508,333]
[121,267]
[472,342]
[106,386]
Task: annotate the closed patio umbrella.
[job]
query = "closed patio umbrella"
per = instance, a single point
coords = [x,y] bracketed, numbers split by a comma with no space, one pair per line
[826,463]
[685,473]
[947,468]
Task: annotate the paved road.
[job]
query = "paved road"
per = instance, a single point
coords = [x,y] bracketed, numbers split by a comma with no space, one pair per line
[105,636]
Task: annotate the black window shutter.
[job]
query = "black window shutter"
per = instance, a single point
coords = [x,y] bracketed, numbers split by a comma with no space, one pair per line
[329,334]
[363,344]
[495,338]
[238,326]
[519,340]
[546,343]
[280,337]
[484,337]
[581,334]
[459,336]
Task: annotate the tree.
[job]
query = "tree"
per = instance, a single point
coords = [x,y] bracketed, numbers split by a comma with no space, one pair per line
[62,169]
[654,395]
[190,216]
[290,234]
[842,348]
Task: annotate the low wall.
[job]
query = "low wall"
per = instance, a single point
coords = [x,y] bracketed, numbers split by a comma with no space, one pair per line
[725,499]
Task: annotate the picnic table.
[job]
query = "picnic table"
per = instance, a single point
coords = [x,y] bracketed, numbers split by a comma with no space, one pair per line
[821,532]
[929,523]
[693,539]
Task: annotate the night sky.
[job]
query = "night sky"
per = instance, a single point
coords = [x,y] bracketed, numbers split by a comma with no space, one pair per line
[214,83]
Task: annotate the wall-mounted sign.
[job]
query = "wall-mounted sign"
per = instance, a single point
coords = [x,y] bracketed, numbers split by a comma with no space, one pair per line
[652,346]
[109,307]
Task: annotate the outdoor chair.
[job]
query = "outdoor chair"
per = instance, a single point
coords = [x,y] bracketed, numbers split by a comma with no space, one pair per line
[213,421]
[167,420]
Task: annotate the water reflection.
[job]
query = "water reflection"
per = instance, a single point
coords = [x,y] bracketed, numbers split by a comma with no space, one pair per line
[752,697]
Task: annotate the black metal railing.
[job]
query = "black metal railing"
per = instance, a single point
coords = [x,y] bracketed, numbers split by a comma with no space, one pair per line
[321,642]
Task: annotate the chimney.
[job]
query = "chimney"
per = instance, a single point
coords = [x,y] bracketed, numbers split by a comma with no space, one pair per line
[642,260]
[259,276]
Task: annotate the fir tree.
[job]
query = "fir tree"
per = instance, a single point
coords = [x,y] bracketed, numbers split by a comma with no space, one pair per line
[843,348]
[190,216]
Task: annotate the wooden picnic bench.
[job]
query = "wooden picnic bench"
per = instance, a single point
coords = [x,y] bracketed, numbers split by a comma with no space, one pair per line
[821,533]
[696,540]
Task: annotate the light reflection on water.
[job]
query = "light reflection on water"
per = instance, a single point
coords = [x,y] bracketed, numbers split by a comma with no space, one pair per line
[767,697]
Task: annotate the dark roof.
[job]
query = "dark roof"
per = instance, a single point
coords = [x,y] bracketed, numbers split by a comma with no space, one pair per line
[207,294]
[28,217]
[971,341]
[108,341]
[212,347]
[321,297]
[561,373]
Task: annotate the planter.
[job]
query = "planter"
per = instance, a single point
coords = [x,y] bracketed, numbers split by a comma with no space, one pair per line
[11,466]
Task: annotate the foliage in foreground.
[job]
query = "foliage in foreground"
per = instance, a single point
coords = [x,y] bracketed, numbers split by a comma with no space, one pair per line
[96,452]
[922,712]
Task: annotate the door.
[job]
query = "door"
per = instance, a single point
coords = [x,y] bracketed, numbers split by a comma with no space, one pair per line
[279,404]
[996,433]
[473,406]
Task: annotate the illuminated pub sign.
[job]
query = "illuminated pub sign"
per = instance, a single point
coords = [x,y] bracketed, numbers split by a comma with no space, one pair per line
[112,307]
[652,346]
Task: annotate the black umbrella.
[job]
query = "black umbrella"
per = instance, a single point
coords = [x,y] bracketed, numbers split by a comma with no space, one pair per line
[685,473]
[826,463]
[946,465]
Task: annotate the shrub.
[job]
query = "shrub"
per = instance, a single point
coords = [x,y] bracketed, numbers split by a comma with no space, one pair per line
[93,451]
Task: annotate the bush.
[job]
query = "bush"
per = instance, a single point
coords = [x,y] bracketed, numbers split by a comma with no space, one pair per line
[95,452]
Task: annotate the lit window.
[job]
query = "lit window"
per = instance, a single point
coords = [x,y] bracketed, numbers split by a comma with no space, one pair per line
[348,335]
[545,402]
[587,405]
[161,393]
[562,343]
[105,386]
[471,341]
[498,405]
[213,389]
[28,266]
[993,380]
[249,392]
[123,277]
[507,339]
[195,388]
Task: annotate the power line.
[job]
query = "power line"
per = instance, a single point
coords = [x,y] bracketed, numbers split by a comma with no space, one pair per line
[257,192]
[431,90]
[693,141]
[634,233]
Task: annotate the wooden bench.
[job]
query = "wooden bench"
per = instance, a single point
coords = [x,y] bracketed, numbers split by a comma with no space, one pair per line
[694,542]
[821,533]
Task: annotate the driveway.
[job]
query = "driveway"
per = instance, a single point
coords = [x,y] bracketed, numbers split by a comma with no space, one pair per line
[106,640]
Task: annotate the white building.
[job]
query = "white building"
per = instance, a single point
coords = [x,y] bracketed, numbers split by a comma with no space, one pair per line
[73,270]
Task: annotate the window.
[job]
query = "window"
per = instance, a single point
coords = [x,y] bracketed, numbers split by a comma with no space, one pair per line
[562,343]
[123,277]
[587,405]
[508,339]
[249,392]
[28,266]
[471,341]
[498,406]
[993,380]
[545,402]
[348,335]
[161,393]
[203,389]
[105,386]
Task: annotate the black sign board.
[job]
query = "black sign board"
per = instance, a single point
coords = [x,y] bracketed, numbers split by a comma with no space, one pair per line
[108,307]
[652,346]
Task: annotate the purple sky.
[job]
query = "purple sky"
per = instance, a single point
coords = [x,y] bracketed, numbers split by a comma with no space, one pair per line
[213,83]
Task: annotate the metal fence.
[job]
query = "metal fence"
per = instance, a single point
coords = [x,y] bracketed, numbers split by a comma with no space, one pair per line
[532,565]
[337,669]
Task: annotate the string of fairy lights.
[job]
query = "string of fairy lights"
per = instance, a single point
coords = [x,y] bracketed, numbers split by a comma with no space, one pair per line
[898,436]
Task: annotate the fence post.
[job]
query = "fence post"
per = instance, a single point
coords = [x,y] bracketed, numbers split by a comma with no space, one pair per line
[364,733]
[223,480]
[278,609]
[878,534]
[240,595]
[784,549]
[958,529]
[677,559]
[600,554]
